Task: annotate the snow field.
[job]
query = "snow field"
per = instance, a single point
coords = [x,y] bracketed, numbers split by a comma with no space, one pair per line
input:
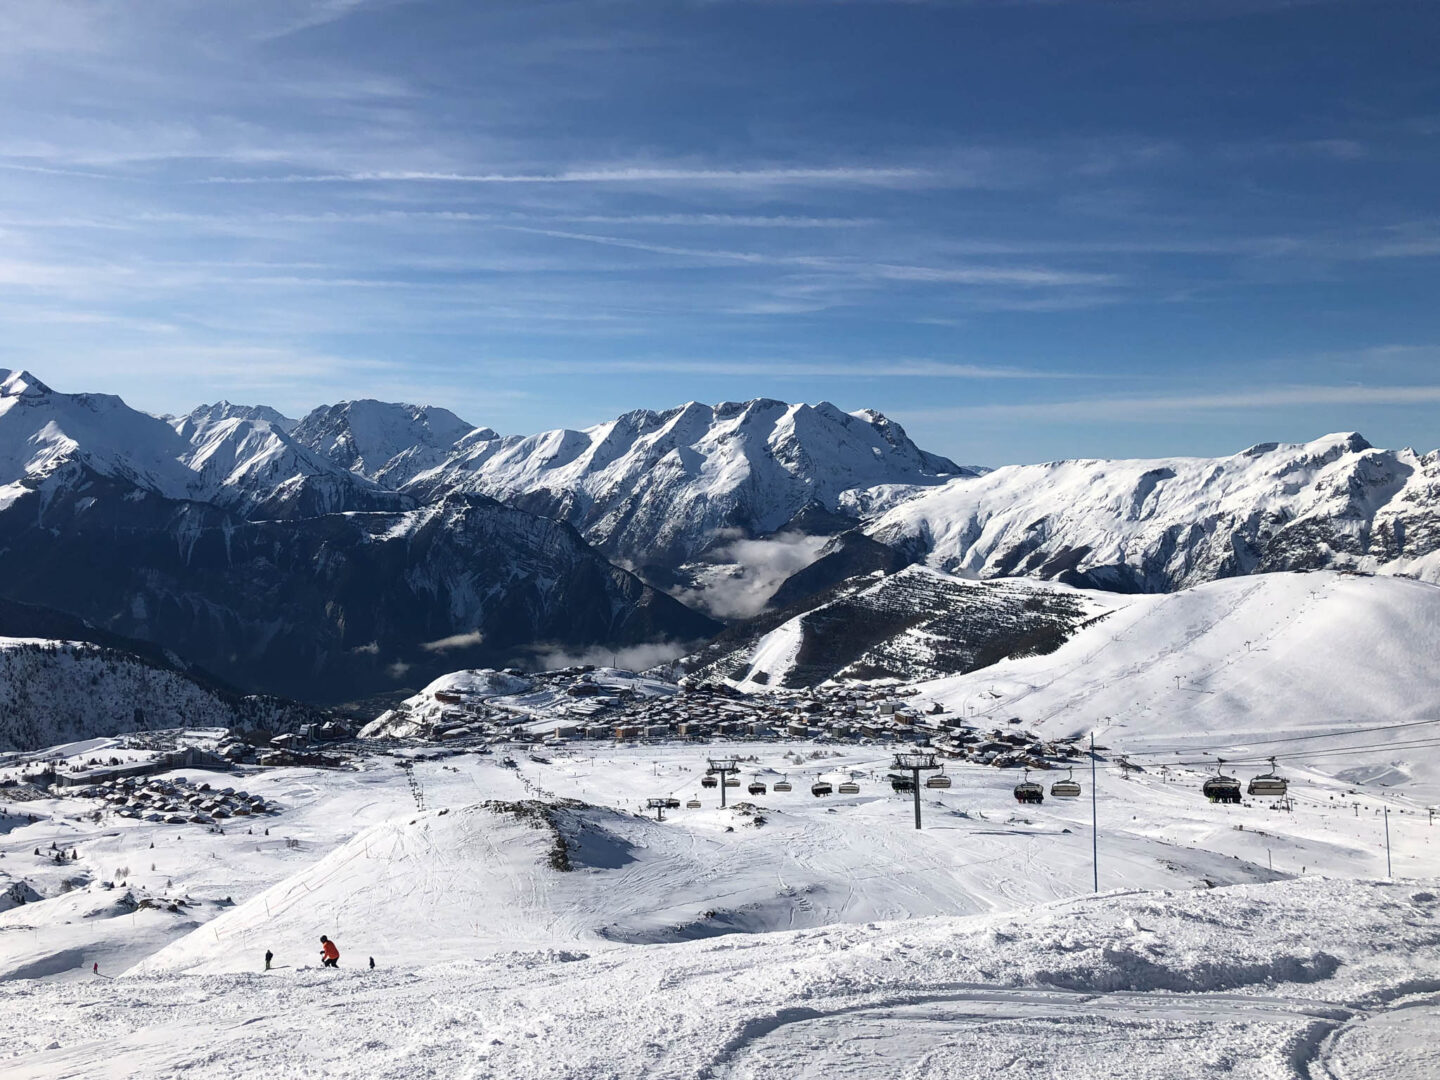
[1278,980]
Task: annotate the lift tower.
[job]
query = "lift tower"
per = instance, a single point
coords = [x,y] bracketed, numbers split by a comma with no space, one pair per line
[723,768]
[916,764]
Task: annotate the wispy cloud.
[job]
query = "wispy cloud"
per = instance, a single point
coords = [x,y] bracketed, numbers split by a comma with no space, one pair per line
[1163,408]
[778,367]
[622,175]
[962,275]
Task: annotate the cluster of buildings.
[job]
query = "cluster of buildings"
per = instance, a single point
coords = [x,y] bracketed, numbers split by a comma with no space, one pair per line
[605,704]
[177,801]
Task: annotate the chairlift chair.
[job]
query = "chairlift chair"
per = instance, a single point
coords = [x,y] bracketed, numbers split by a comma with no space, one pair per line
[732,781]
[782,785]
[1221,788]
[709,781]
[756,787]
[1028,792]
[819,788]
[693,804]
[938,780]
[1068,788]
[848,787]
[1270,784]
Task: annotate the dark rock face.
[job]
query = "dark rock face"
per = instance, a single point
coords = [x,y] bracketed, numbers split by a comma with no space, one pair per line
[330,607]
[911,625]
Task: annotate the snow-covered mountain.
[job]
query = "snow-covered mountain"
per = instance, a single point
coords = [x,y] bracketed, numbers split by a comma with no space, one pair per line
[1158,525]
[224,410]
[390,443]
[655,490]
[43,433]
[231,456]
[252,466]
[228,541]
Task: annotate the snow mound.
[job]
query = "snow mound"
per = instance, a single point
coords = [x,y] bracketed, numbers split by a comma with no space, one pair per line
[461,882]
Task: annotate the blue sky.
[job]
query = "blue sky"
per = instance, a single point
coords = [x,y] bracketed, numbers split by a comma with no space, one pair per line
[1025,230]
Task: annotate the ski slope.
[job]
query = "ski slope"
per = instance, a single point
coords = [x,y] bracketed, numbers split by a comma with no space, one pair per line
[1301,666]
[1313,978]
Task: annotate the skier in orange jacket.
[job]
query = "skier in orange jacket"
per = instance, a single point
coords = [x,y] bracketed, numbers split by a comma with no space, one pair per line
[329,954]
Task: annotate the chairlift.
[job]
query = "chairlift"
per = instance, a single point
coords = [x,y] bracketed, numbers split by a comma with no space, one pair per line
[756,787]
[1068,788]
[937,780]
[848,787]
[1029,792]
[1221,788]
[820,787]
[899,782]
[782,785]
[693,804]
[732,781]
[1270,784]
[709,781]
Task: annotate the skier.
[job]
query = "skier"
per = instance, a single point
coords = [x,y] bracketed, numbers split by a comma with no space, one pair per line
[329,954]
[95,967]
[268,957]
[372,963]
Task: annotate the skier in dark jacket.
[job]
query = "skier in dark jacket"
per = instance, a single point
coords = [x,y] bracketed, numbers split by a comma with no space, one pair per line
[268,957]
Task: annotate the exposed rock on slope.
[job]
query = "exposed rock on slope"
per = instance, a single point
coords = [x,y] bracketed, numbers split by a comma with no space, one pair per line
[329,607]
[915,624]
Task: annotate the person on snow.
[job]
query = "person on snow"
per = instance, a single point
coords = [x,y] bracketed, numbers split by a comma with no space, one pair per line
[329,954]
[268,957]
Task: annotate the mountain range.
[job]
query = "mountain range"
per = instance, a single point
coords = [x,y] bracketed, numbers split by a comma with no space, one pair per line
[368,547]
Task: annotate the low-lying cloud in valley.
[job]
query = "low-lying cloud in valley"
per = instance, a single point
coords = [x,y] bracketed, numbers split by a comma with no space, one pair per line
[756,568]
